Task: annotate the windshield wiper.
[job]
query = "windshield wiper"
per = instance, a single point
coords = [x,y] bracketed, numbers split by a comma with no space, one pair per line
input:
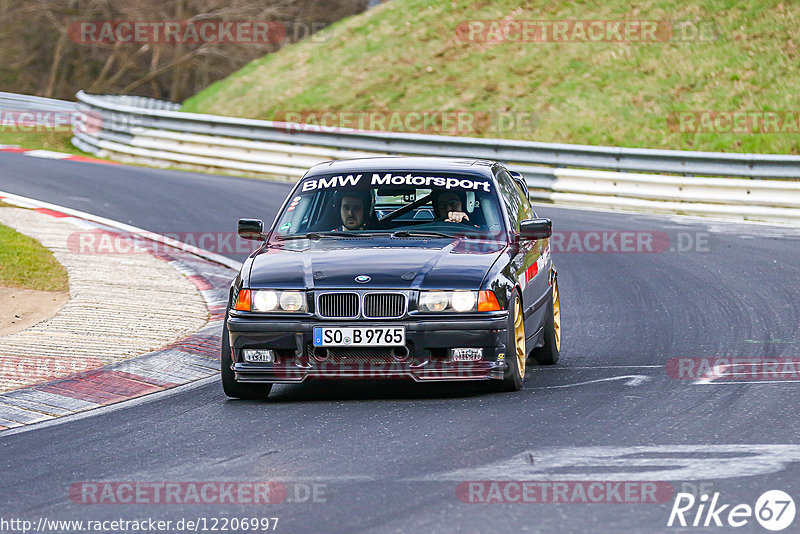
[421,233]
[318,235]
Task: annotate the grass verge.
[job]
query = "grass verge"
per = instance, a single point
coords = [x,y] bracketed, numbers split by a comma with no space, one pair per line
[47,140]
[25,263]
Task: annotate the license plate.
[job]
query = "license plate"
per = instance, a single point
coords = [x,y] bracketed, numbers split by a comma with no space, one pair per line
[362,336]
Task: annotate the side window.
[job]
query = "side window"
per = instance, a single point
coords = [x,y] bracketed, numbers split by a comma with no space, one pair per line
[527,209]
[511,194]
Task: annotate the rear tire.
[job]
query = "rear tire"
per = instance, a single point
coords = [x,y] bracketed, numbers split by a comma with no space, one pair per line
[230,386]
[515,346]
[548,354]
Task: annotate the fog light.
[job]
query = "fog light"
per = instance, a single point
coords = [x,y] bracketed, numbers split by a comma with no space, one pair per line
[466,355]
[258,355]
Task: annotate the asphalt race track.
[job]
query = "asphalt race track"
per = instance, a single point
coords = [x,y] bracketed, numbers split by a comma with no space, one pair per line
[389,456]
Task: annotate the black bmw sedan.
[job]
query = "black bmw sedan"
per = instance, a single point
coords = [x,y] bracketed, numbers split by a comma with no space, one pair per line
[394,267]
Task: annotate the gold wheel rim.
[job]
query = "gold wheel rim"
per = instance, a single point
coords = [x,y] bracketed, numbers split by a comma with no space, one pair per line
[519,338]
[557,315]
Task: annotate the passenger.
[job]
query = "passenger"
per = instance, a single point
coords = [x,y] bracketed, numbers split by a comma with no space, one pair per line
[448,207]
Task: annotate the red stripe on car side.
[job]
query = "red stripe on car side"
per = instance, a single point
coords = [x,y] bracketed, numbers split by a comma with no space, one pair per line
[531,272]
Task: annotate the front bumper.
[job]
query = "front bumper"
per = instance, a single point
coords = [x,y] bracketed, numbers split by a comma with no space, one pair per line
[427,340]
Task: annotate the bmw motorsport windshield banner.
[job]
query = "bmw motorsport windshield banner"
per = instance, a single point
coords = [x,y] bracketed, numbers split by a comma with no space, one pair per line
[367,180]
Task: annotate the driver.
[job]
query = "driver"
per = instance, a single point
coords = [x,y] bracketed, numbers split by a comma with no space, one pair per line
[353,209]
[448,207]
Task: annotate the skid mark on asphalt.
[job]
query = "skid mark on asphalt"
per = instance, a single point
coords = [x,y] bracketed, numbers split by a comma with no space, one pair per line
[643,463]
[664,463]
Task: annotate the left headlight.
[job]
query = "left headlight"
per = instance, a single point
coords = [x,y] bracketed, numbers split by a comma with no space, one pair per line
[448,301]
[268,300]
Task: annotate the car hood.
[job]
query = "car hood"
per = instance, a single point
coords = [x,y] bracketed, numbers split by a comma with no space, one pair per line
[390,263]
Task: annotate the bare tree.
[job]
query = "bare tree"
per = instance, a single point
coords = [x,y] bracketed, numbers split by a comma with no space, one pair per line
[41,55]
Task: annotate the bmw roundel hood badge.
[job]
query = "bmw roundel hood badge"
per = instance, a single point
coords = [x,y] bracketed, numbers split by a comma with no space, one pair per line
[363,279]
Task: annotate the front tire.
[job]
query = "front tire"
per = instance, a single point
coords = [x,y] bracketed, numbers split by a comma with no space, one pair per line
[548,354]
[515,346]
[230,386]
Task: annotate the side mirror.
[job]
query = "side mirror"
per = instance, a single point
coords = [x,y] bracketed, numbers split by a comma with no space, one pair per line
[536,229]
[251,229]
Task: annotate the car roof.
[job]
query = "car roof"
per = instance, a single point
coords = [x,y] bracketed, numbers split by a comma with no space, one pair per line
[405,164]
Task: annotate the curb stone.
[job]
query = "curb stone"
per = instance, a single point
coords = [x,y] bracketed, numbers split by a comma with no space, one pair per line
[194,357]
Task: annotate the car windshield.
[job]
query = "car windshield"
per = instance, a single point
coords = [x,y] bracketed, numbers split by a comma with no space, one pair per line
[407,204]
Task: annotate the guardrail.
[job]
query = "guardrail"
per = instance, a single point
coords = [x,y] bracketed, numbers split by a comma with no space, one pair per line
[524,152]
[15,102]
[140,102]
[154,132]
[735,198]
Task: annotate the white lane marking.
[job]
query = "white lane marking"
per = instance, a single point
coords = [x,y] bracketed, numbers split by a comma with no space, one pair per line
[47,154]
[321,478]
[659,462]
[715,372]
[538,369]
[633,380]
[720,374]
[768,341]
[723,383]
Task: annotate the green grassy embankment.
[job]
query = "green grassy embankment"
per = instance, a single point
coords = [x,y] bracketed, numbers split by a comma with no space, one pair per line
[405,56]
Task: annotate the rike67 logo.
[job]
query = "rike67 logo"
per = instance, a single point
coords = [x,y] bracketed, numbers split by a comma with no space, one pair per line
[774,510]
